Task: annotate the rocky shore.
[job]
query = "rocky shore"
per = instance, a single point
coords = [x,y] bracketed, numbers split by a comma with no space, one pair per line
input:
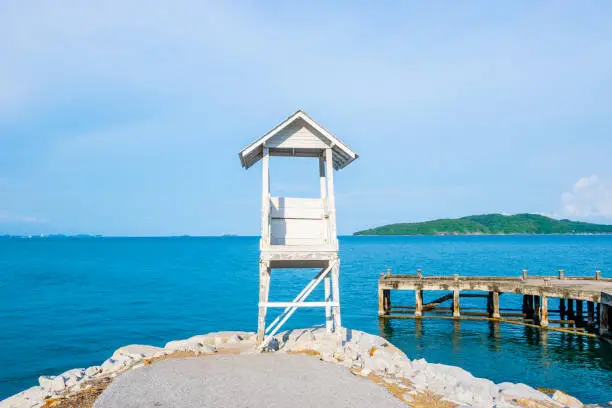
[415,382]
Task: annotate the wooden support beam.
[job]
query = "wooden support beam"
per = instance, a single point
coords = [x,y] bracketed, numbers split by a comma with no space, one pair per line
[265,198]
[264,288]
[495,314]
[300,304]
[387,301]
[579,309]
[604,319]
[418,297]
[331,202]
[335,276]
[536,309]
[329,324]
[323,190]
[528,306]
[591,312]
[381,301]
[544,312]
[456,296]
[562,308]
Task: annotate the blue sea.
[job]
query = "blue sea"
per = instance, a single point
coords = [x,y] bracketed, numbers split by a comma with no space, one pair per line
[70,302]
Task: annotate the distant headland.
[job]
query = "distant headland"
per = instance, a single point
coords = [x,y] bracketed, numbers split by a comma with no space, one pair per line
[491,224]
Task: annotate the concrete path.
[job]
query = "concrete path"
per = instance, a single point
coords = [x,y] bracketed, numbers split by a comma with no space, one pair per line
[265,380]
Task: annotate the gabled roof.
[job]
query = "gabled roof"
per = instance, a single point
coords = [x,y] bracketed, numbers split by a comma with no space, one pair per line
[342,154]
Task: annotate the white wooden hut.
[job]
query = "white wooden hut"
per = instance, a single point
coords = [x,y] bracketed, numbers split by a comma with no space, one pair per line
[299,232]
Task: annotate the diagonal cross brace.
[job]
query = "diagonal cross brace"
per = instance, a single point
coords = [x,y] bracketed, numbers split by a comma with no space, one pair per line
[286,314]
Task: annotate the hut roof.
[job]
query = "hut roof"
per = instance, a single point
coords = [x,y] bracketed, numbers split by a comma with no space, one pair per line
[298,135]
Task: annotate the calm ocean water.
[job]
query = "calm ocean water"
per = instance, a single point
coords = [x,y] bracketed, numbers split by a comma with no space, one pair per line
[71,302]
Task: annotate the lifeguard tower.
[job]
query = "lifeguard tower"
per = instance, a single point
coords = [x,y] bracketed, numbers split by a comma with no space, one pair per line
[299,232]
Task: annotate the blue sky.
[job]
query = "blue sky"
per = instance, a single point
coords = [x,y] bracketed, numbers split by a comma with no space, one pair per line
[125,118]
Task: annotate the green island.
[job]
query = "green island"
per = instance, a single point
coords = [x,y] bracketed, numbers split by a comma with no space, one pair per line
[494,224]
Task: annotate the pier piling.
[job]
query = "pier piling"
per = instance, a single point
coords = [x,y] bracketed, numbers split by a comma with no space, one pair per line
[418,311]
[544,311]
[536,309]
[562,311]
[456,312]
[590,312]
[579,311]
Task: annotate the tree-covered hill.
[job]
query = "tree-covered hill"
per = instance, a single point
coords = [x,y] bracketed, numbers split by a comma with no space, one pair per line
[491,224]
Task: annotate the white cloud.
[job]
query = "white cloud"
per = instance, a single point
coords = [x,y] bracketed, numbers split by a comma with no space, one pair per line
[590,197]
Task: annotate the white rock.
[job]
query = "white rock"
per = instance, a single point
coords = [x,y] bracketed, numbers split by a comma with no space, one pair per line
[58,384]
[116,363]
[138,351]
[202,339]
[46,382]
[519,391]
[74,376]
[234,339]
[566,400]
[93,370]
[181,345]
[32,397]
[189,345]
[52,384]
[365,372]
[273,345]
[328,357]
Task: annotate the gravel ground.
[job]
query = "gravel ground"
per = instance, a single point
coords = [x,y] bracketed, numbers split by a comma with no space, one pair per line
[264,380]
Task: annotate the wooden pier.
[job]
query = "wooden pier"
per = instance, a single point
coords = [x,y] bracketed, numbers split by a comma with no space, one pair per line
[573,294]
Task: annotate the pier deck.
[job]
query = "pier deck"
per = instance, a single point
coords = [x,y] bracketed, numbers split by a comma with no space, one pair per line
[572,292]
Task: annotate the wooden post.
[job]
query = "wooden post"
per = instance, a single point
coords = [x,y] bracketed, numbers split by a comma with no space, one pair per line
[524,276]
[323,189]
[387,300]
[536,309]
[544,312]
[456,310]
[591,312]
[264,288]
[418,297]
[335,272]
[419,273]
[528,306]
[579,309]
[604,318]
[597,275]
[331,202]
[562,308]
[265,197]
[328,312]
[561,274]
[496,314]
[570,310]
[381,301]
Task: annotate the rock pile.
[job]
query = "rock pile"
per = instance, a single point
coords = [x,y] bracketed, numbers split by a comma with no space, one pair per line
[364,354]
